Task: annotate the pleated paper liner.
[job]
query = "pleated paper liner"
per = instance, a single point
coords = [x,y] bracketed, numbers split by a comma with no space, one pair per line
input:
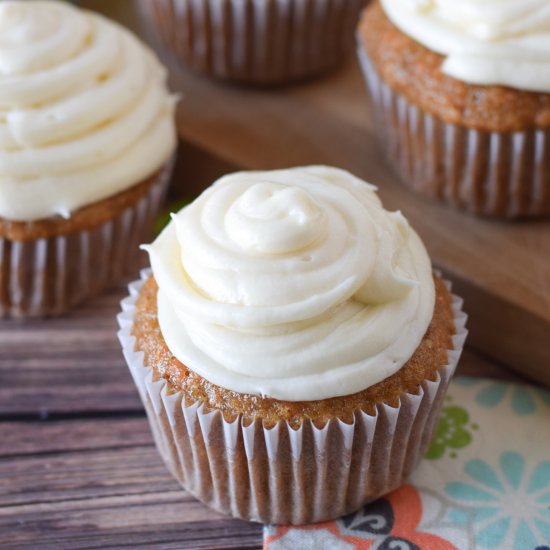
[497,174]
[285,475]
[48,276]
[260,42]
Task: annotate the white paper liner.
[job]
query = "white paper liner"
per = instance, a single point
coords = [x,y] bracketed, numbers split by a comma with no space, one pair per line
[499,174]
[282,475]
[48,276]
[257,41]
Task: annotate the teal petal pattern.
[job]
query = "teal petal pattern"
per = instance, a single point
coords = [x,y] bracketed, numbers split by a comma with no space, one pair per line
[522,402]
[481,472]
[506,502]
[523,399]
[544,528]
[524,536]
[491,395]
[458,517]
[540,478]
[467,492]
[493,534]
[481,514]
[512,465]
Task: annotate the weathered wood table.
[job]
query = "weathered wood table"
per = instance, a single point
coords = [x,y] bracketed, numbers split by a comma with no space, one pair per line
[78,468]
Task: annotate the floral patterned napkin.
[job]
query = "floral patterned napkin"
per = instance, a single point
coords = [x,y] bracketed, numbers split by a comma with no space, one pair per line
[484,483]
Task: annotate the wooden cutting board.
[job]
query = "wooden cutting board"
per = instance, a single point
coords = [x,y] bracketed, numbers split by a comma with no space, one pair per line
[502,269]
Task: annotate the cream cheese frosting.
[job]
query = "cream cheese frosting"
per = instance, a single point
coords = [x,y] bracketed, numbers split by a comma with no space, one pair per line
[294,284]
[486,42]
[84,110]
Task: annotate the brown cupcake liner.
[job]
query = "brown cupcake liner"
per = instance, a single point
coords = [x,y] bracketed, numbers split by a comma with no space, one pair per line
[285,475]
[48,276]
[498,174]
[263,42]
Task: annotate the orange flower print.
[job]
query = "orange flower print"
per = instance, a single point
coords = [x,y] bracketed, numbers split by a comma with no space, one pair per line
[387,523]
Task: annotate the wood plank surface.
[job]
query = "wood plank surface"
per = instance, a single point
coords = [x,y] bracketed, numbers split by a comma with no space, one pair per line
[103,494]
[502,268]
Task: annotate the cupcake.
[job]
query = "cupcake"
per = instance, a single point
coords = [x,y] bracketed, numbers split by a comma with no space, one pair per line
[265,42]
[291,345]
[461,94]
[86,140]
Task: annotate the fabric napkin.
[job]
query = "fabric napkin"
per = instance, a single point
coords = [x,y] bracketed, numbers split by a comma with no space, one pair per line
[484,483]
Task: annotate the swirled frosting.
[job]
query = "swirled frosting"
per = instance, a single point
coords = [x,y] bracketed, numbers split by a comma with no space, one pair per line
[84,110]
[294,284]
[486,42]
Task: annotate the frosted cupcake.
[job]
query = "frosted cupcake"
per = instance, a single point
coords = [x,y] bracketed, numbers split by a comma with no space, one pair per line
[86,137]
[266,42]
[462,95]
[291,346]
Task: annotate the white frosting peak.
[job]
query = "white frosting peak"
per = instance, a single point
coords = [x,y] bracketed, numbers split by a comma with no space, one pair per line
[294,284]
[84,109]
[273,218]
[487,42]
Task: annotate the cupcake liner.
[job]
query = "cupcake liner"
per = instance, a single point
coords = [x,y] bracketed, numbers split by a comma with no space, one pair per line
[257,41]
[48,276]
[499,174]
[286,475]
